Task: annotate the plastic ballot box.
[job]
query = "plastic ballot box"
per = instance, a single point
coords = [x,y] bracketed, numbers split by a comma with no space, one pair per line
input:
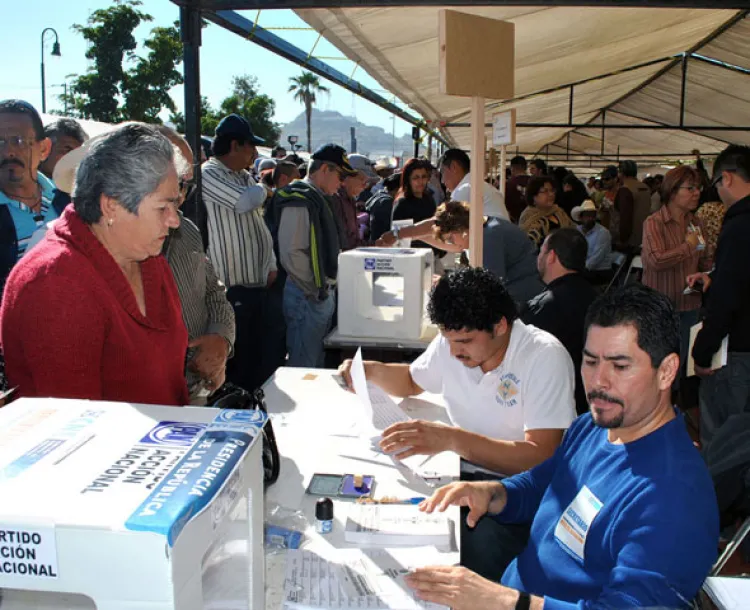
[383,292]
[120,506]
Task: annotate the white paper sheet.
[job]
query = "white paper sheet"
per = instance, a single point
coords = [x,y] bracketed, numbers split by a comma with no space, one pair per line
[719,359]
[728,593]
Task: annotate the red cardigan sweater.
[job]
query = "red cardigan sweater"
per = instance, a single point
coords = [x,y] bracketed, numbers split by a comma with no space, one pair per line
[70,326]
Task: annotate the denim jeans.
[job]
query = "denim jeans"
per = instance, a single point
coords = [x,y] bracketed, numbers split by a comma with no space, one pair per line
[307,322]
[725,393]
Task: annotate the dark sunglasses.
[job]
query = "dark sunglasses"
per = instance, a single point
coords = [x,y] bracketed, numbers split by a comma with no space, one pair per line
[720,177]
[187,186]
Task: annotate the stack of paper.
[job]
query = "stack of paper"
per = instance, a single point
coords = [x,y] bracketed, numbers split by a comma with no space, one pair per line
[720,357]
[728,593]
[396,525]
[371,579]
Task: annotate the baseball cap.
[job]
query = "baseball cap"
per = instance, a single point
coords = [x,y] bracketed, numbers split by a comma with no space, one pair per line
[609,172]
[333,153]
[362,164]
[235,125]
[266,164]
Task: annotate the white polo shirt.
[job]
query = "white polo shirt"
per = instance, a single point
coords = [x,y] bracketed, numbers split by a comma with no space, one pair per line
[532,389]
[494,202]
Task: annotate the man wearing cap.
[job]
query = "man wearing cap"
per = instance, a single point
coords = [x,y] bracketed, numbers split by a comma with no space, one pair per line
[25,193]
[309,249]
[241,249]
[344,202]
[599,258]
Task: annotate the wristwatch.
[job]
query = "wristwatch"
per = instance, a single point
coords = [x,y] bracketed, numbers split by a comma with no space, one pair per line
[524,601]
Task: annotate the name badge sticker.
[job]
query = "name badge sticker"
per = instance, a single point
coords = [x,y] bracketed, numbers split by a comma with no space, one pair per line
[575,523]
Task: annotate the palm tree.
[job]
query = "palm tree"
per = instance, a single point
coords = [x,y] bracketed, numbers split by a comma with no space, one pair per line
[305,87]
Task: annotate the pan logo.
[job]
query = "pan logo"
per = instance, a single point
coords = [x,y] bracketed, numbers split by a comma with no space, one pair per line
[235,416]
[369,264]
[174,434]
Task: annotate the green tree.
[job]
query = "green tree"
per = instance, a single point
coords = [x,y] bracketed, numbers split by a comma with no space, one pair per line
[305,87]
[257,108]
[142,88]
[245,100]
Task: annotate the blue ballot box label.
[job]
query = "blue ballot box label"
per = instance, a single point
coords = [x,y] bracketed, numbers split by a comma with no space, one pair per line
[199,475]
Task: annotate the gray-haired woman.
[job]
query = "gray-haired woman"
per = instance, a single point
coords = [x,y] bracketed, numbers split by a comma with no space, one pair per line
[93,310]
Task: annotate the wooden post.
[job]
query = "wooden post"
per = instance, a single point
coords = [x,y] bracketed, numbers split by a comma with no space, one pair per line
[503,162]
[476,215]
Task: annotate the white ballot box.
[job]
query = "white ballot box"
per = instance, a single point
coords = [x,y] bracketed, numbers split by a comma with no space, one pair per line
[383,292]
[117,506]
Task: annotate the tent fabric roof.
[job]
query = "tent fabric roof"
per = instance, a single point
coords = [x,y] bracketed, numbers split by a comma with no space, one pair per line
[556,47]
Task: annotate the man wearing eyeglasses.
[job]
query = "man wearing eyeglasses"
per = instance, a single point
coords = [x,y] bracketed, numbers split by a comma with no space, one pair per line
[25,193]
[726,391]
[207,314]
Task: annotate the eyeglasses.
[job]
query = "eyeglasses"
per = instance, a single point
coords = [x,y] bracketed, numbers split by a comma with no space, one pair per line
[546,190]
[720,177]
[186,187]
[17,141]
[691,188]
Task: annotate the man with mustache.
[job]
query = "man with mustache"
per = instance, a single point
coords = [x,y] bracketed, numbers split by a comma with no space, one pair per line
[25,193]
[508,388]
[624,514]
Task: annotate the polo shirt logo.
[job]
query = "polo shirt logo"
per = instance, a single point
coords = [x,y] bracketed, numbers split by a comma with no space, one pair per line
[507,390]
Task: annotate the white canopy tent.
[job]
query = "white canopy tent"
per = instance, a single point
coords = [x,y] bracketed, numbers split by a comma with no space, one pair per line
[622,65]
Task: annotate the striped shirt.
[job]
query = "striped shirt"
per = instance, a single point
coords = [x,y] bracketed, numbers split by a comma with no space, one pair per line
[668,259]
[205,309]
[239,243]
[25,220]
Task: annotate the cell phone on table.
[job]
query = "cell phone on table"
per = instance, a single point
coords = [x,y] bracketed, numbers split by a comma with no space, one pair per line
[340,486]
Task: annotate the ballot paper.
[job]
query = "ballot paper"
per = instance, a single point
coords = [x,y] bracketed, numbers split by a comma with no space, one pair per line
[352,578]
[728,593]
[380,409]
[396,525]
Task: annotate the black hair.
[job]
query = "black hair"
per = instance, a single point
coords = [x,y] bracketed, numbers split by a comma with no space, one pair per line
[392,182]
[734,158]
[276,150]
[24,108]
[535,185]
[471,298]
[285,168]
[65,127]
[571,248]
[457,155]
[629,169]
[650,312]
[518,161]
[609,172]
[540,164]
[222,144]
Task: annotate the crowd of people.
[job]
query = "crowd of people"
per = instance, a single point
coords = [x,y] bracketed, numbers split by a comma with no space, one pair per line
[120,281]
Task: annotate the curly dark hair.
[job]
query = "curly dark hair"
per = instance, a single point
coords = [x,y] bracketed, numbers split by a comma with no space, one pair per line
[535,185]
[410,166]
[451,217]
[471,298]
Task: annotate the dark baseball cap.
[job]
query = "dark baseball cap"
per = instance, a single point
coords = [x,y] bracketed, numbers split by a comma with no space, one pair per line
[609,172]
[333,153]
[235,125]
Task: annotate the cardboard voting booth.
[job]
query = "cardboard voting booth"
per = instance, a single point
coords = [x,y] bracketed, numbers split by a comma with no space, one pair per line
[383,292]
[117,506]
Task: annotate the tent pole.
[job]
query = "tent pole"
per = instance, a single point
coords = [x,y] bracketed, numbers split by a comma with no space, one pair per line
[476,213]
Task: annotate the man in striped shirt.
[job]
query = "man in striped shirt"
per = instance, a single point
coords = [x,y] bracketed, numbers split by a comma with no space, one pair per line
[25,193]
[241,250]
[207,314]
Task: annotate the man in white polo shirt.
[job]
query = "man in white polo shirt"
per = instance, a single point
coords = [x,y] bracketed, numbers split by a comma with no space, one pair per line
[508,387]
[454,170]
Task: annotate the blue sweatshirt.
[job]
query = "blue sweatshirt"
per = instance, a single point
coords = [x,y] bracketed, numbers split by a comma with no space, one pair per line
[615,526]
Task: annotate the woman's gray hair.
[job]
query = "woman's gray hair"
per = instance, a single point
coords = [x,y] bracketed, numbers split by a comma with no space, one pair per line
[127,165]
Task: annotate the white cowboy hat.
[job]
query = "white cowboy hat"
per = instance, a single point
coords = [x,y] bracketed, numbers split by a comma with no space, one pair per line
[586,206]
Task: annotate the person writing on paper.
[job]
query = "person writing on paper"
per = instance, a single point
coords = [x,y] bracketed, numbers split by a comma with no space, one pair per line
[508,389]
[624,514]
[507,252]
[726,392]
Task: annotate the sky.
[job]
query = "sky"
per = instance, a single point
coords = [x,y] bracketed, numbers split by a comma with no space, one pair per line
[223,55]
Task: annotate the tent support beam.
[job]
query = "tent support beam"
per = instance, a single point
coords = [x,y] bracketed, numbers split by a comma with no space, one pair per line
[241,26]
[720,64]
[683,88]
[617,126]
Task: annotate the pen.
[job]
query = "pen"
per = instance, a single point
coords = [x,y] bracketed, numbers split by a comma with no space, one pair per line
[392,500]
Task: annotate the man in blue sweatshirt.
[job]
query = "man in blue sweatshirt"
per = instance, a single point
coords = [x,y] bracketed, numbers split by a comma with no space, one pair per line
[624,514]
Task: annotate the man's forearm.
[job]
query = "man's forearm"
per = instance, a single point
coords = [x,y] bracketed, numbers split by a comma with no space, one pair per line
[395,379]
[506,457]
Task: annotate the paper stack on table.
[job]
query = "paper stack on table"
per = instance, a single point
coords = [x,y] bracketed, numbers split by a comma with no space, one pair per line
[728,593]
[355,578]
[396,525]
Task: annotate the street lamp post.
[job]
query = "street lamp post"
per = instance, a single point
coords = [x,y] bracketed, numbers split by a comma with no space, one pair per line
[292,142]
[56,53]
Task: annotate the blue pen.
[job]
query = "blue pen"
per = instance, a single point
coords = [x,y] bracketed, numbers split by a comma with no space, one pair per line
[402,500]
